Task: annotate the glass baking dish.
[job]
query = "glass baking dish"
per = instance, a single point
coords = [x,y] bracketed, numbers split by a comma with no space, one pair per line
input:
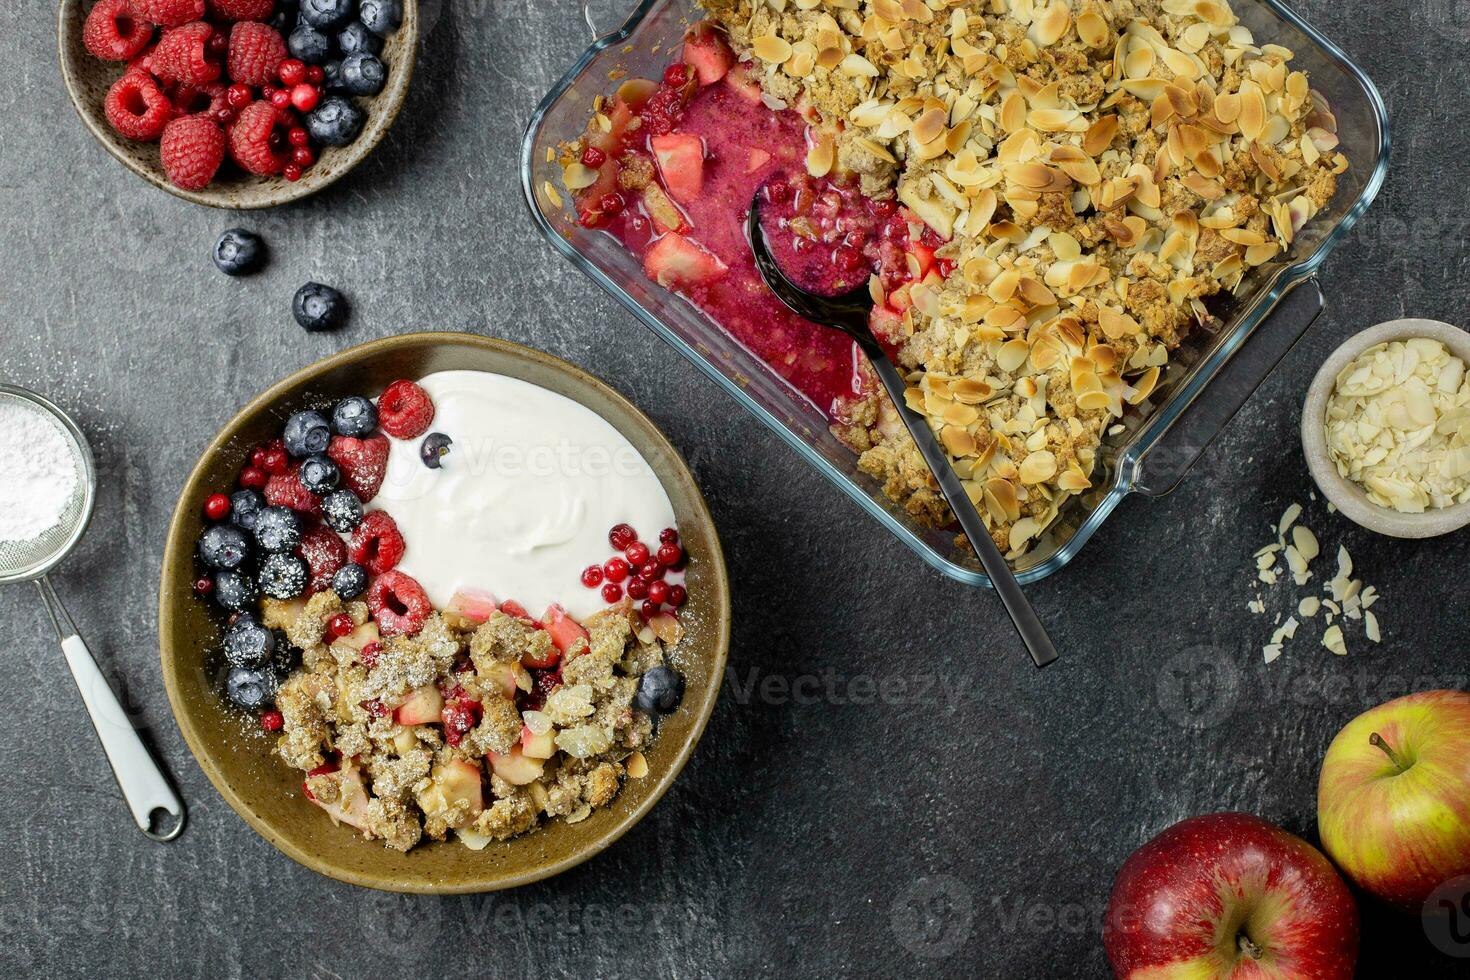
[1208,379]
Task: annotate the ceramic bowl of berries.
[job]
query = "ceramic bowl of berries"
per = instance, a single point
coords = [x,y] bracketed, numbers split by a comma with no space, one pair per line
[441,613]
[238,103]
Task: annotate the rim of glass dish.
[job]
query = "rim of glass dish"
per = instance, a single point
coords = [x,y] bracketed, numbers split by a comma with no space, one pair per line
[1285,280]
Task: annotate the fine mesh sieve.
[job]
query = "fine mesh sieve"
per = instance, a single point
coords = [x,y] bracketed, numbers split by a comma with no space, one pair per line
[156,809]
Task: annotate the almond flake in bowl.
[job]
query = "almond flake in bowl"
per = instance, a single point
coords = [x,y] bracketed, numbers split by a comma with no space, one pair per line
[1398,425]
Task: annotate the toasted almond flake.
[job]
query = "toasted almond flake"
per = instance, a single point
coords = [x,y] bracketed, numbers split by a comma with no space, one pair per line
[820,157]
[771,48]
[636,765]
[551,195]
[1092,30]
[575,177]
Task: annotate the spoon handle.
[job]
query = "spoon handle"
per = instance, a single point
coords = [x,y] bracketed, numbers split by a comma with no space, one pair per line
[143,785]
[1038,644]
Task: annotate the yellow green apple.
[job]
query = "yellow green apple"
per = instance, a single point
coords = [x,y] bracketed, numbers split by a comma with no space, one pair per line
[1393,800]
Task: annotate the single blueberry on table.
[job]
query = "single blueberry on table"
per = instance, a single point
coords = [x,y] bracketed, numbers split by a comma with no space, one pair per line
[245,508]
[659,691]
[239,252]
[326,15]
[362,74]
[319,474]
[434,448]
[235,590]
[248,688]
[336,122]
[350,581]
[283,576]
[278,529]
[356,39]
[354,416]
[223,546]
[248,644]
[316,308]
[382,17]
[342,511]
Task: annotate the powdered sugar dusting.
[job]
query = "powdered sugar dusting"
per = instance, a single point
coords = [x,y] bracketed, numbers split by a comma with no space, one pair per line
[38,472]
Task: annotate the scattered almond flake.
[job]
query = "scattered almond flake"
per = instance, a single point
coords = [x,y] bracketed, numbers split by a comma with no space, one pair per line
[1331,606]
[1332,640]
[1370,627]
[1286,631]
[1308,607]
[1288,519]
[1266,561]
[1370,596]
[1267,576]
[1271,651]
[1256,606]
[1305,542]
[1331,507]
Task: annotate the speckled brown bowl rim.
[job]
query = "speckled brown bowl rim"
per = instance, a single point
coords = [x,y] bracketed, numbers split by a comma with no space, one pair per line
[1349,498]
[177,573]
[248,193]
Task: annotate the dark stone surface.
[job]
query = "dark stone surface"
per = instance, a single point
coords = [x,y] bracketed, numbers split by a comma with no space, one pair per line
[973,828]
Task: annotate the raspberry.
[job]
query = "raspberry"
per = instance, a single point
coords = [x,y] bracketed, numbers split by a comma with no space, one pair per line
[144,61]
[241,9]
[137,108]
[324,553]
[250,139]
[398,604]
[112,33]
[404,410]
[167,13]
[256,53]
[192,149]
[207,98]
[376,544]
[363,463]
[183,55]
[272,721]
[285,490]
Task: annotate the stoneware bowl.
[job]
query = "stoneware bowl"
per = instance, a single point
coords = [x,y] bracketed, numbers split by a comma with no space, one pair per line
[1347,495]
[88,78]
[237,757]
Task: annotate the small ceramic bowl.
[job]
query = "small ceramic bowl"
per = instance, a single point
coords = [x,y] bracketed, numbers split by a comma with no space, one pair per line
[238,758]
[1344,493]
[88,78]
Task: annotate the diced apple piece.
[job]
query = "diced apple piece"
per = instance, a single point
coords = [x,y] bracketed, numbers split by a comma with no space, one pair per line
[886,324]
[742,78]
[510,677]
[664,213]
[475,605]
[758,159]
[541,746]
[515,767]
[512,608]
[676,261]
[280,614]
[565,631]
[360,637]
[421,707]
[461,782]
[707,53]
[351,804]
[404,740]
[680,159]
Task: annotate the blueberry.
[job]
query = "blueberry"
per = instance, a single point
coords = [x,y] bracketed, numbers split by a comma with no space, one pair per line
[239,252]
[342,511]
[248,644]
[332,75]
[319,474]
[336,122]
[235,590]
[283,576]
[307,433]
[350,581]
[317,307]
[223,546]
[245,508]
[434,448]
[659,691]
[309,44]
[249,689]
[354,416]
[278,529]
[356,39]
[362,74]
[382,17]
[282,22]
[326,15]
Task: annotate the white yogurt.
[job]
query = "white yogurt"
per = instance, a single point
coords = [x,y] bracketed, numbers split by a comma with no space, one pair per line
[524,499]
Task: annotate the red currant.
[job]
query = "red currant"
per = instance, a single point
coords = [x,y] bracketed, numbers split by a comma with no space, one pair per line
[637,553]
[615,569]
[340,625]
[652,570]
[637,589]
[274,459]
[670,555]
[302,156]
[369,654]
[253,478]
[621,536]
[612,592]
[658,591]
[272,721]
[298,137]
[291,172]
[315,74]
[281,98]
[216,507]
[239,95]
[592,158]
[676,75]
[592,576]
[677,595]
[222,115]
[649,609]
[292,71]
[204,585]
[305,97]
[218,43]
[668,536]
[266,91]
[611,203]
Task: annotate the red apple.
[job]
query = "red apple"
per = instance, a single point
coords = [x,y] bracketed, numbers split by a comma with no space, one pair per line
[1393,800]
[1231,896]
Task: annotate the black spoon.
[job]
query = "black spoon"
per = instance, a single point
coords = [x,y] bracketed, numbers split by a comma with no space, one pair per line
[849,313]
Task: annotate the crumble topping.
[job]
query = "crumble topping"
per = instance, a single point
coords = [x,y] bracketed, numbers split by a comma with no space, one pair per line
[1099,168]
